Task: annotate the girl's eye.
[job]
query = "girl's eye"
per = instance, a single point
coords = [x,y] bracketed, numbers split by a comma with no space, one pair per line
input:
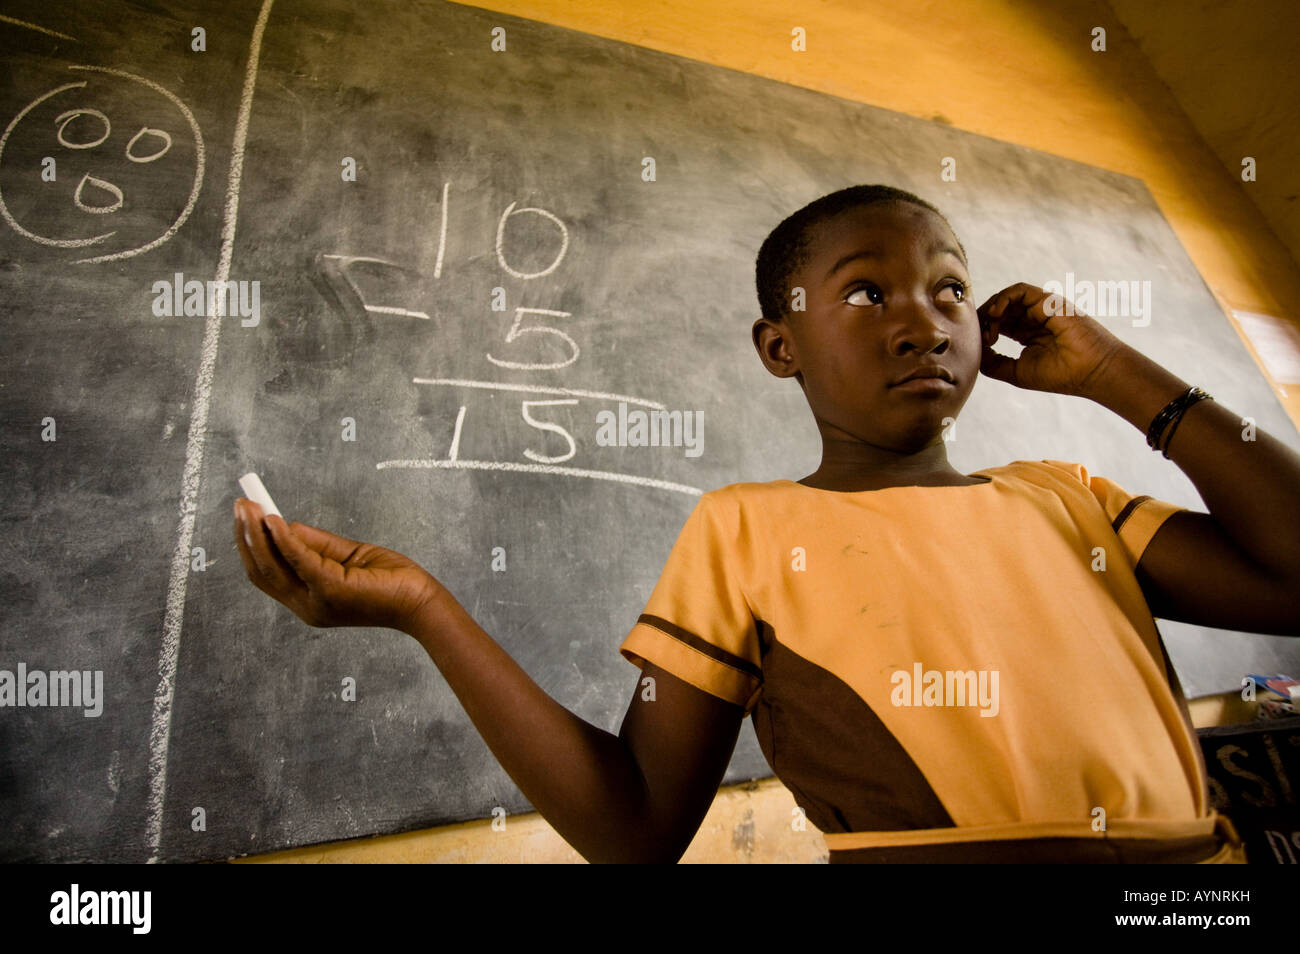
[953,292]
[869,295]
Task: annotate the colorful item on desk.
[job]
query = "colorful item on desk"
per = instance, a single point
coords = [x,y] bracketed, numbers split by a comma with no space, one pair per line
[1277,695]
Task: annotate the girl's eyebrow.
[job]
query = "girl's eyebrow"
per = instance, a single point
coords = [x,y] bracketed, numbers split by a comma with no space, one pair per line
[941,247]
[851,257]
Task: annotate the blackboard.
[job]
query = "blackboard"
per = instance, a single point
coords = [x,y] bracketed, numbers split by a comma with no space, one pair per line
[226,727]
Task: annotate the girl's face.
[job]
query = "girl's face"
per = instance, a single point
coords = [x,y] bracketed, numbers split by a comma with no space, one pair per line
[887,292]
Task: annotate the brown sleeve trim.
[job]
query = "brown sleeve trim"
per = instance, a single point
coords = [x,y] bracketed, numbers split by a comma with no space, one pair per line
[696,643]
[1128,512]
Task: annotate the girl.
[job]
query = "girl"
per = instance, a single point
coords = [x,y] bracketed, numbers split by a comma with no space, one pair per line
[894,627]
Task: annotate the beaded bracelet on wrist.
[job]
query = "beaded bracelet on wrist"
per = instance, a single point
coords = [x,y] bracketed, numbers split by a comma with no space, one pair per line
[1170,416]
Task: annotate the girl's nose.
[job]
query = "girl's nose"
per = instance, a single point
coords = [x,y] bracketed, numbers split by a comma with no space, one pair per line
[923,328]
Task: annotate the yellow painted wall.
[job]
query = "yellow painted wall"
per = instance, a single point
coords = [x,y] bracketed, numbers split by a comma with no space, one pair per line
[1016,70]
[1221,58]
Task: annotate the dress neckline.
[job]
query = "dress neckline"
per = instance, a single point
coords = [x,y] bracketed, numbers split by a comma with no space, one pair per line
[987,482]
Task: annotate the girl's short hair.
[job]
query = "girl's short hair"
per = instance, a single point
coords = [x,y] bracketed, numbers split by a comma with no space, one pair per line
[785,250]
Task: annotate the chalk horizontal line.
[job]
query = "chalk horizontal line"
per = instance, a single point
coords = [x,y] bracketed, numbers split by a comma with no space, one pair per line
[387,310]
[542,389]
[38,29]
[538,469]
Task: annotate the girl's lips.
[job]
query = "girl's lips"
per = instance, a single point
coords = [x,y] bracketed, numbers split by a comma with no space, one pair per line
[929,370]
[926,385]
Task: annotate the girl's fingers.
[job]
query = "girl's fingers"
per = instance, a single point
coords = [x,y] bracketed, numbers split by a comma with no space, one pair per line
[269,569]
[243,542]
[998,366]
[329,545]
[996,306]
[1024,315]
[305,562]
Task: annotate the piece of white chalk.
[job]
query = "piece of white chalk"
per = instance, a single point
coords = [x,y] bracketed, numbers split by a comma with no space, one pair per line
[251,484]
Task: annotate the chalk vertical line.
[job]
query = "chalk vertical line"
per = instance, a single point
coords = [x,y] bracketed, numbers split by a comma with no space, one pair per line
[442,233]
[160,729]
[454,453]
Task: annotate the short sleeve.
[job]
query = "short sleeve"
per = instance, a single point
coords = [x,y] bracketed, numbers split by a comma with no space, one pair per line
[1135,518]
[698,624]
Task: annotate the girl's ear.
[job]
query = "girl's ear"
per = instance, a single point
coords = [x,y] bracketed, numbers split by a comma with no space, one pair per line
[775,347]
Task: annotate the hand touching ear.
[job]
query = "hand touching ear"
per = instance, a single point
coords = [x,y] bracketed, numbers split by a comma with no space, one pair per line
[1062,354]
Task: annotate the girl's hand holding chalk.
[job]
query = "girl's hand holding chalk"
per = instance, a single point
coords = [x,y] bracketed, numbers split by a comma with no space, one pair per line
[254,489]
[328,580]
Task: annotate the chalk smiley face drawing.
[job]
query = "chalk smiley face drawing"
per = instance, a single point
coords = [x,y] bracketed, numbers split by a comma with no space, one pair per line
[129,160]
